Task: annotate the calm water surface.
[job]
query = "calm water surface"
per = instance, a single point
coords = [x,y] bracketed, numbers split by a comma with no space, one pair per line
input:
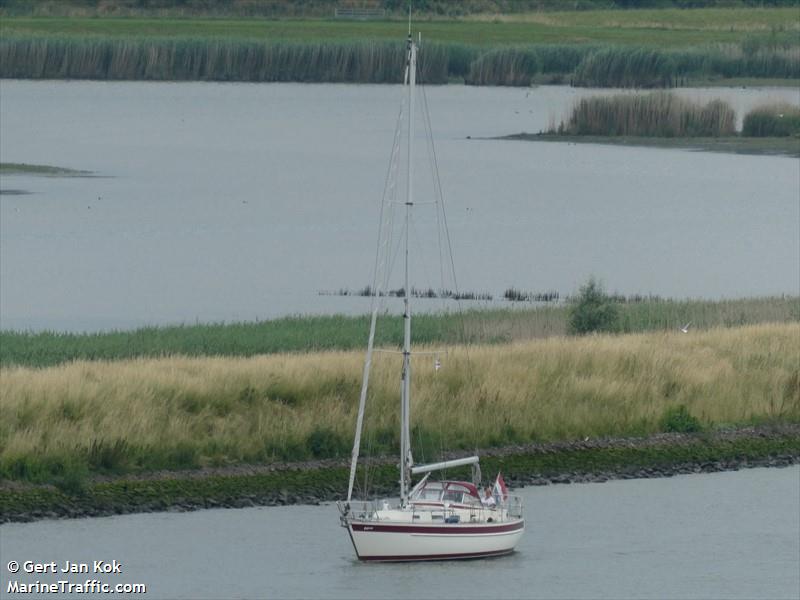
[724,535]
[243,201]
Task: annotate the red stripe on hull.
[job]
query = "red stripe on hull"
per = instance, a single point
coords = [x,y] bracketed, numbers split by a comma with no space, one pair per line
[449,529]
[435,556]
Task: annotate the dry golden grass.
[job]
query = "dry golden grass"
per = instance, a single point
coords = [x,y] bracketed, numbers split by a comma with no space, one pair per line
[228,410]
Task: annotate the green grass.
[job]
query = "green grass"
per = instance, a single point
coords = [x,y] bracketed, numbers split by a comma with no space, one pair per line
[26,169]
[655,28]
[394,9]
[309,334]
[290,334]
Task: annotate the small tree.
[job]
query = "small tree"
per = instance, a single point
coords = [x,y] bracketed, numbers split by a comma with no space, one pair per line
[592,310]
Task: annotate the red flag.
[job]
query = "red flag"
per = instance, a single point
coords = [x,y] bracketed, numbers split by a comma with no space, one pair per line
[500,490]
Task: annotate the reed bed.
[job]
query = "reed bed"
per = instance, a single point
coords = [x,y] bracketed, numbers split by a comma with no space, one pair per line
[645,67]
[659,114]
[779,60]
[208,58]
[617,67]
[337,332]
[505,66]
[179,412]
[204,59]
[772,120]
[634,66]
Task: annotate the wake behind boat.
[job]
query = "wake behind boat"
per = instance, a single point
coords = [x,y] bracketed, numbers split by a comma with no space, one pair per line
[434,520]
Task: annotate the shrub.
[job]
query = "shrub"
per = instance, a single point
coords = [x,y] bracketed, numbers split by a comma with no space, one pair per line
[593,310]
[678,419]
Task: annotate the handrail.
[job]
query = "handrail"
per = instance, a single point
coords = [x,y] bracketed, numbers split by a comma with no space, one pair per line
[369,510]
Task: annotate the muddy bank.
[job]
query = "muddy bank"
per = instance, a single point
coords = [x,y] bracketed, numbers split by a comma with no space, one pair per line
[313,482]
[769,146]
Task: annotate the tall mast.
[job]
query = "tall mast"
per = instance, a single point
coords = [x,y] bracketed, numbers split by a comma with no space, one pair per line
[406,460]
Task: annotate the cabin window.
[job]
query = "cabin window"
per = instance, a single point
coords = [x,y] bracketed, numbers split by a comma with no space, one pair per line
[429,494]
[453,496]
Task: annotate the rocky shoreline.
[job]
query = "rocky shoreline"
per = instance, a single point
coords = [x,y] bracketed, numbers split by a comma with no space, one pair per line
[314,482]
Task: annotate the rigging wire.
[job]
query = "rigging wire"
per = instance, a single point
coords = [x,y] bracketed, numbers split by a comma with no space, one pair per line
[397,252]
[439,195]
[386,226]
[436,187]
[440,199]
[418,244]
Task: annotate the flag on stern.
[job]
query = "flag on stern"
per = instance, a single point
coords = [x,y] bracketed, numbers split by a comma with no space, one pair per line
[500,491]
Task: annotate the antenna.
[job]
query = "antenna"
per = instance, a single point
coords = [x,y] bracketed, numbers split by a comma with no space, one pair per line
[409,20]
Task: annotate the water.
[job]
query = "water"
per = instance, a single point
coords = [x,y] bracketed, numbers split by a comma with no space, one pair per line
[222,202]
[723,535]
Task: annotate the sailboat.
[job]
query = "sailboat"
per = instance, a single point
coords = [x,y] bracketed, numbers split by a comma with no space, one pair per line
[432,520]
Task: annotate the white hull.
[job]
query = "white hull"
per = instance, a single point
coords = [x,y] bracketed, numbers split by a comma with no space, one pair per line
[393,541]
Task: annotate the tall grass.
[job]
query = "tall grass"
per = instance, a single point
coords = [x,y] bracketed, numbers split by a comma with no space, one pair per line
[772,120]
[779,60]
[518,65]
[178,412]
[634,66]
[311,334]
[504,66]
[218,58]
[618,66]
[658,114]
[213,60]
[626,67]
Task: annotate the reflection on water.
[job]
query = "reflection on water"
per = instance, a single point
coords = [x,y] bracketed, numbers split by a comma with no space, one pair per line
[242,201]
[722,535]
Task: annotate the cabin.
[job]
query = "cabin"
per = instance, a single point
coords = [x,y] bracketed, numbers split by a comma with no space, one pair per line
[458,494]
